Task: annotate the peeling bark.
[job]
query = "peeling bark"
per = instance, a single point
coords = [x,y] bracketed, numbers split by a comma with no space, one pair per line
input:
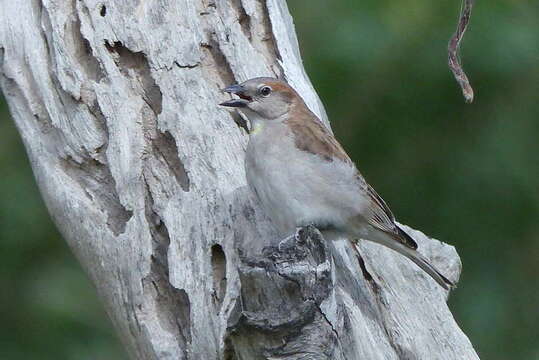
[142,172]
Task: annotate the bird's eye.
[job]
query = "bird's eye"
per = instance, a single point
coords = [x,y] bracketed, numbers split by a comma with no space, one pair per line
[265,91]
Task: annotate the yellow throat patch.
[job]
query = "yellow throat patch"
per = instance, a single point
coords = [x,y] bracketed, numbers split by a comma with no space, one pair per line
[257,128]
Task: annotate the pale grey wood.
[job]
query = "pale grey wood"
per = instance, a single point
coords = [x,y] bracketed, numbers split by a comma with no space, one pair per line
[116,102]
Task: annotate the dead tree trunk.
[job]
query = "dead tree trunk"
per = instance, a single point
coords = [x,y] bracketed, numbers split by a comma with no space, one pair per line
[142,172]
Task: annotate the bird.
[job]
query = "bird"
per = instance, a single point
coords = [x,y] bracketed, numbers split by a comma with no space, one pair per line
[303,176]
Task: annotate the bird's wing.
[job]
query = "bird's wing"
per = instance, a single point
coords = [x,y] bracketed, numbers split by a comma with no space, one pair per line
[312,136]
[380,216]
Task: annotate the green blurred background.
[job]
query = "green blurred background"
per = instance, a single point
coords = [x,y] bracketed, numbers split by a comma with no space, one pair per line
[465,174]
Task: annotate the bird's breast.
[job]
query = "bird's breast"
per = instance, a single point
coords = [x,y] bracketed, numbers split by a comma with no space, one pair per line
[296,188]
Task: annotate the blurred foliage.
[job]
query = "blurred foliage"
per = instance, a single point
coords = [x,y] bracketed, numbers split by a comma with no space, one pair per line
[466,174]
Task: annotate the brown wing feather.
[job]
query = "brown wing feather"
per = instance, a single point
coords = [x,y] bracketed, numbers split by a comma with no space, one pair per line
[312,136]
[383,219]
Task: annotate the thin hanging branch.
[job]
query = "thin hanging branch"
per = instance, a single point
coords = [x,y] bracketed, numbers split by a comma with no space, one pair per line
[453,49]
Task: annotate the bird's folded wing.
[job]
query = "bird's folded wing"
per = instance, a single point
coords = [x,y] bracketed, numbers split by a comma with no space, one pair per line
[312,136]
[380,216]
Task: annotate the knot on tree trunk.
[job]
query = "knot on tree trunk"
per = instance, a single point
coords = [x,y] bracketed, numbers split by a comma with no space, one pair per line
[281,293]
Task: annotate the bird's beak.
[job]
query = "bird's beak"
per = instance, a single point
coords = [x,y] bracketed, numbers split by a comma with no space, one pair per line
[239,90]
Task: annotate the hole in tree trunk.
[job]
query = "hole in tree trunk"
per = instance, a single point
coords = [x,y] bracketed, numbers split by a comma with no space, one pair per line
[218,264]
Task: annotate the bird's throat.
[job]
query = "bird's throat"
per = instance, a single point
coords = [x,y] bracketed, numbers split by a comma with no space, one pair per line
[258,126]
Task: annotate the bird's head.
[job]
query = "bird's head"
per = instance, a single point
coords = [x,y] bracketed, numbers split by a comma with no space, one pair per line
[264,97]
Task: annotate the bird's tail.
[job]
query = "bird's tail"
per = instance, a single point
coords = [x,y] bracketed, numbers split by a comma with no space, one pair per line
[418,259]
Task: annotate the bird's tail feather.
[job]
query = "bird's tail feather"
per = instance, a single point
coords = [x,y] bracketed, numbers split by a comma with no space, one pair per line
[419,260]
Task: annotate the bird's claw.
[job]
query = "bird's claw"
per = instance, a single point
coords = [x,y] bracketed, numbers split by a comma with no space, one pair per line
[290,240]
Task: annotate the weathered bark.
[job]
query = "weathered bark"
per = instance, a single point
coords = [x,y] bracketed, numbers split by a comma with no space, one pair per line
[143,174]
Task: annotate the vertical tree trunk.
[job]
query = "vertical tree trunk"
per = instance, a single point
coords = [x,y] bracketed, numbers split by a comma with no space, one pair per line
[142,172]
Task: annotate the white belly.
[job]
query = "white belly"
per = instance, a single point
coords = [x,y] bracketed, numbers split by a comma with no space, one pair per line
[297,188]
